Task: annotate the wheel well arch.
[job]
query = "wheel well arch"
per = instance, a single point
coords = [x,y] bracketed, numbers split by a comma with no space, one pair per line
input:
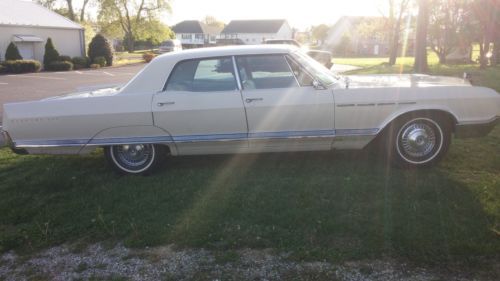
[445,115]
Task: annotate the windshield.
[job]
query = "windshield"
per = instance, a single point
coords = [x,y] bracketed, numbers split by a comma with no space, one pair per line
[325,76]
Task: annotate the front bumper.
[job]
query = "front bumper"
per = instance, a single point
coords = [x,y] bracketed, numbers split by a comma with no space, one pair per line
[474,130]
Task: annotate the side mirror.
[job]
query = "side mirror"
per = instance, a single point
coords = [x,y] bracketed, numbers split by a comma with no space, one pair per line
[317,85]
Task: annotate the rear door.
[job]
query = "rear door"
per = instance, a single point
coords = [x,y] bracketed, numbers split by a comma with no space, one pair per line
[201,107]
[284,111]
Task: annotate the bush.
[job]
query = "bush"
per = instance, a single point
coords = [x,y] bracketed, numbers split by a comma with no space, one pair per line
[51,55]
[95,66]
[60,66]
[101,61]
[22,66]
[3,69]
[64,58]
[12,52]
[147,57]
[100,47]
[80,62]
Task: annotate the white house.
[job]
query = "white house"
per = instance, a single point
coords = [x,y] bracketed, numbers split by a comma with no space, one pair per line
[193,33]
[257,31]
[28,25]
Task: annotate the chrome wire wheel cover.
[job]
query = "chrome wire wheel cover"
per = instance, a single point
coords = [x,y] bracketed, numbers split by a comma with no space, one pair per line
[419,140]
[133,158]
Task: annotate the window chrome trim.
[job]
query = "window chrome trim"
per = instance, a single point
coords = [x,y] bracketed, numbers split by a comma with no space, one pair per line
[237,74]
[291,71]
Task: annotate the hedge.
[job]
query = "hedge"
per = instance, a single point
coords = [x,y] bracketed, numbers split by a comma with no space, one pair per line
[100,47]
[64,58]
[12,52]
[80,62]
[147,57]
[60,66]
[22,66]
[101,61]
[51,54]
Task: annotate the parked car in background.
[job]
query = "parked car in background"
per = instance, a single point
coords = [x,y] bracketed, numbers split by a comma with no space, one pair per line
[323,57]
[252,99]
[172,45]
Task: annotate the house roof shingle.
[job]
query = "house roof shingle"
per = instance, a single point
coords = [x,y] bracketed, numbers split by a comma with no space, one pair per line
[254,26]
[194,26]
[27,13]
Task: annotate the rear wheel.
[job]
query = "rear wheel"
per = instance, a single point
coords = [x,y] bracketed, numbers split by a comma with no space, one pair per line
[135,159]
[419,141]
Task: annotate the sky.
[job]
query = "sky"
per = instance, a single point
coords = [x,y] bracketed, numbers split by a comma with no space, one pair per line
[300,14]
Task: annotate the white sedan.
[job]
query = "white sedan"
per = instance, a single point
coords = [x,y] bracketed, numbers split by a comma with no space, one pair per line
[251,99]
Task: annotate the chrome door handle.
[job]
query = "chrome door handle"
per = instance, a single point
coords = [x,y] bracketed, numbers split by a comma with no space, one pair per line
[249,100]
[165,103]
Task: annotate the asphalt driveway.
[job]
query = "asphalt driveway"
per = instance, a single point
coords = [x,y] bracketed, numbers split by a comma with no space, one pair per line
[33,86]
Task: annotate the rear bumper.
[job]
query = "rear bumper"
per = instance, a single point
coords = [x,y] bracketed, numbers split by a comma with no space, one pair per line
[473,130]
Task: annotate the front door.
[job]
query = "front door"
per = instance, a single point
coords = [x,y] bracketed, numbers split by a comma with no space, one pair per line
[26,50]
[201,107]
[284,111]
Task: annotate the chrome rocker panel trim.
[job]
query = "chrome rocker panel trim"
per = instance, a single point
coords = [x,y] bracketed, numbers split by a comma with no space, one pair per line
[197,138]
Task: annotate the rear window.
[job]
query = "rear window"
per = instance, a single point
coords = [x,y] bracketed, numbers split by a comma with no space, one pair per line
[207,75]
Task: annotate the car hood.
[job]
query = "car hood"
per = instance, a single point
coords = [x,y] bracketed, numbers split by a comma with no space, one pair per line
[86,94]
[404,81]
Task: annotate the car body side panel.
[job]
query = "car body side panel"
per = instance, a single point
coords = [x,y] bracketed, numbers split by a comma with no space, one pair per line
[202,122]
[74,122]
[289,119]
[376,107]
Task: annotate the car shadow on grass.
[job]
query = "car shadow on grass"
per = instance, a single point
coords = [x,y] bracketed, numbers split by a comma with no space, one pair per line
[333,206]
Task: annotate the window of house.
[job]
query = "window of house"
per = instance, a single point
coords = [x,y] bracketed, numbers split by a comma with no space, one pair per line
[207,75]
[199,36]
[186,36]
[265,72]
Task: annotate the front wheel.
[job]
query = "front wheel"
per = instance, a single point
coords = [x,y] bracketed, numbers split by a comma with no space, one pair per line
[420,141]
[135,159]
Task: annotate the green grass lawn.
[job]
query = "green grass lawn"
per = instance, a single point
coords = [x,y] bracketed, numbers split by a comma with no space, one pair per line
[489,77]
[333,206]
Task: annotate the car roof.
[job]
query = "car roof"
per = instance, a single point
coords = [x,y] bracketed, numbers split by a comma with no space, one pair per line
[226,51]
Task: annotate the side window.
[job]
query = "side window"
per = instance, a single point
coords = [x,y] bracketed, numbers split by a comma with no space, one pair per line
[302,76]
[265,72]
[208,75]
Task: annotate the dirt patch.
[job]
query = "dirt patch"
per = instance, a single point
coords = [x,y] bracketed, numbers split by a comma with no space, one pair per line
[99,262]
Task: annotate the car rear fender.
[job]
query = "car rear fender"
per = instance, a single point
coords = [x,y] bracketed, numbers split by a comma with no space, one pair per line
[132,134]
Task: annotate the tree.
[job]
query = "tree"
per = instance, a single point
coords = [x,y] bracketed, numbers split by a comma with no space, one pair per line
[420,64]
[320,33]
[487,20]
[212,21]
[67,9]
[100,47]
[344,46]
[398,9]
[448,27]
[51,54]
[12,53]
[153,31]
[130,14]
